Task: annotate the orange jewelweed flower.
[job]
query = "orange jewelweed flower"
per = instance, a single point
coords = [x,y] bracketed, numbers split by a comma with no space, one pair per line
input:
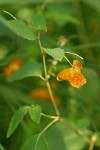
[13,67]
[73,75]
[43,94]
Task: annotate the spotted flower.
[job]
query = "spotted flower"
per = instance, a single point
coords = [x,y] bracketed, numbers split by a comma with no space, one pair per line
[73,75]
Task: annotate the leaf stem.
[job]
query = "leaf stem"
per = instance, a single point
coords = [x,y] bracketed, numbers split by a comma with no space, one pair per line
[46,76]
[50,124]
[42,78]
[74,54]
[68,60]
[48,116]
[9,14]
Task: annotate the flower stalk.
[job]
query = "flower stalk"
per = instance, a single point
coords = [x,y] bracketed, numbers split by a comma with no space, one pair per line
[46,76]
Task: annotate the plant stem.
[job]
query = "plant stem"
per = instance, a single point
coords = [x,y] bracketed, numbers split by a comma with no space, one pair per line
[75,131]
[52,98]
[49,125]
[46,76]
[92,142]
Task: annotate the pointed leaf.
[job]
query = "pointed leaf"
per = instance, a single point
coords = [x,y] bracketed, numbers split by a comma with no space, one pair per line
[39,22]
[56,53]
[27,70]
[22,29]
[35,143]
[35,113]
[16,119]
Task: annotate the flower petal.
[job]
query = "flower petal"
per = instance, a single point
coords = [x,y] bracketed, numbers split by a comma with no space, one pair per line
[77,65]
[64,75]
[77,80]
[73,75]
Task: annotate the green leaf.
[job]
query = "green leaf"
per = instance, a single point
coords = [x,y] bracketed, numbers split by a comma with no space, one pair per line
[27,70]
[56,53]
[95,4]
[2,148]
[9,2]
[60,137]
[16,119]
[21,29]
[61,17]
[83,123]
[4,21]
[39,22]
[35,113]
[35,143]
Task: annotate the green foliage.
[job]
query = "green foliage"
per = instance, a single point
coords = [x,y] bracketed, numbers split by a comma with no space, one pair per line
[29,69]
[56,53]
[1,147]
[35,113]
[39,22]
[20,28]
[65,138]
[70,26]
[83,123]
[35,143]
[95,4]
[16,119]
[62,17]
[18,1]
[4,21]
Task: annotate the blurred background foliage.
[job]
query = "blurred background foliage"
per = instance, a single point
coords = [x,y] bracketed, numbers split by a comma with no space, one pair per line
[73,25]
